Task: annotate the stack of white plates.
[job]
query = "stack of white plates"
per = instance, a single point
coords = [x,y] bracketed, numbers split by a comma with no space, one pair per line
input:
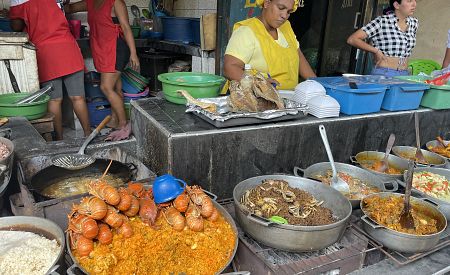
[306,90]
[323,106]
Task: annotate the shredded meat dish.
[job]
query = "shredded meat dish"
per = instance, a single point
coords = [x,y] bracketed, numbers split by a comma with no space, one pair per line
[386,211]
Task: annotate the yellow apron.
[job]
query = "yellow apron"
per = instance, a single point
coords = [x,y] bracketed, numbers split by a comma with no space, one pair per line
[283,63]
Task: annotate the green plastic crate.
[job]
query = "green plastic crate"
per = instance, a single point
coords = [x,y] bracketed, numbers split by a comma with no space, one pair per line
[31,111]
[437,97]
[199,85]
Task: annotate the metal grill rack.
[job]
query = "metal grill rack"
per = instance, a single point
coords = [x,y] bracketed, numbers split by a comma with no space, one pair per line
[345,256]
[405,258]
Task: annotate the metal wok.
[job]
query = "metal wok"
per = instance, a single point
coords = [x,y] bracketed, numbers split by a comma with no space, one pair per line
[370,179]
[404,242]
[53,174]
[76,266]
[435,143]
[294,237]
[408,152]
[367,158]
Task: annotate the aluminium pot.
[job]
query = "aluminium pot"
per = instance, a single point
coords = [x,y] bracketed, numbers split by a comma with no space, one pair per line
[294,238]
[408,152]
[40,226]
[6,165]
[367,158]
[369,178]
[435,143]
[53,174]
[72,270]
[404,242]
[444,205]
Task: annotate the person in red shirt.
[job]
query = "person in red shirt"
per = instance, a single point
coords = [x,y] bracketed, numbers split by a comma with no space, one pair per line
[113,47]
[58,56]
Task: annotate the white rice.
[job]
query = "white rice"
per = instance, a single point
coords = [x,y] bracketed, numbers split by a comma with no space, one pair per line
[26,253]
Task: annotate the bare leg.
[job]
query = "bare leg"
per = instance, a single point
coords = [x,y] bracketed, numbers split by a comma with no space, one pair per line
[80,108]
[108,84]
[54,107]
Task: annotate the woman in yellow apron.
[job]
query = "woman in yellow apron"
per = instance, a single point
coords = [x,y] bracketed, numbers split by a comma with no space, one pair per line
[268,43]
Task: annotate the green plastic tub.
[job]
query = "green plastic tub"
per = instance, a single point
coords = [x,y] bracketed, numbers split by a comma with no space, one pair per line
[199,85]
[437,97]
[127,106]
[31,111]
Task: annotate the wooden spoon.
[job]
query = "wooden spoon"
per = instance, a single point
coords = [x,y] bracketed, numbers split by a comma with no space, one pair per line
[406,219]
[382,165]
[441,142]
[419,156]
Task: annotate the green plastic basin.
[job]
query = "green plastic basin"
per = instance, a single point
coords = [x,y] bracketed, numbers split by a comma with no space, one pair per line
[437,97]
[31,111]
[199,85]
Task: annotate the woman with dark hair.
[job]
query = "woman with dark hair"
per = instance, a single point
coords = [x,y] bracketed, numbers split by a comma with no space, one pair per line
[113,47]
[393,37]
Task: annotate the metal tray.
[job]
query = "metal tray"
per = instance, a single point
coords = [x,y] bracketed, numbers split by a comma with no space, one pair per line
[226,118]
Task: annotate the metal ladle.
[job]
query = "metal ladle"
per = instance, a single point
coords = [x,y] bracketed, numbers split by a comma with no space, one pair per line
[79,160]
[419,155]
[406,218]
[336,182]
[383,165]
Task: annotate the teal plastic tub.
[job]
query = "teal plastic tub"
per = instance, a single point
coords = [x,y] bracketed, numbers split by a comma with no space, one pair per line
[31,111]
[437,97]
[199,85]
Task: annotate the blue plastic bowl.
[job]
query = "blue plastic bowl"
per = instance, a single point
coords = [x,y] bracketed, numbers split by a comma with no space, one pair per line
[166,188]
[128,88]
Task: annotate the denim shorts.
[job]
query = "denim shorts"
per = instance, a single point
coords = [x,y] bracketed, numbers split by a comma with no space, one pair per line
[389,72]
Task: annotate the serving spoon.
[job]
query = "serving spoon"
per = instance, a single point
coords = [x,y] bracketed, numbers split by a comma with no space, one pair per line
[419,156]
[383,165]
[406,219]
[336,182]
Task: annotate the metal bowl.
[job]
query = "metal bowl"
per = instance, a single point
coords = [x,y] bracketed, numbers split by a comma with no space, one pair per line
[444,205]
[6,165]
[72,270]
[294,238]
[435,143]
[369,178]
[408,152]
[40,226]
[367,158]
[404,242]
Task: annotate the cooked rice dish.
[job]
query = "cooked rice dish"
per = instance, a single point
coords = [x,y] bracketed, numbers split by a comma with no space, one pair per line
[26,253]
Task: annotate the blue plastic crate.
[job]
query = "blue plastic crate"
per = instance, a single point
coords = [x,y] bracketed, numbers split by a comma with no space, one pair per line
[5,25]
[365,98]
[401,94]
[98,110]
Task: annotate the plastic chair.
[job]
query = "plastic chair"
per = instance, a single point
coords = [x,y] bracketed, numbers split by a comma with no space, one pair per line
[423,66]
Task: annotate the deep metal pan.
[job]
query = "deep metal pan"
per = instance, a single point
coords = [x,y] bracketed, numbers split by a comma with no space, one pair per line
[76,267]
[367,158]
[370,179]
[408,152]
[404,242]
[435,143]
[294,238]
[6,164]
[53,174]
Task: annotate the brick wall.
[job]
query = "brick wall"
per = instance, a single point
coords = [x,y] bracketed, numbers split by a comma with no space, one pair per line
[194,8]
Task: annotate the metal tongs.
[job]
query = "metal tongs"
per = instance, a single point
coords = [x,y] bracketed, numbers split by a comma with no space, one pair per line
[34,96]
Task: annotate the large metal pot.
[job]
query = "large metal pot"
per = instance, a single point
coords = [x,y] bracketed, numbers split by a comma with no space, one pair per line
[53,174]
[40,226]
[444,205]
[367,158]
[294,237]
[404,242]
[434,143]
[76,266]
[6,165]
[408,152]
[370,179]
